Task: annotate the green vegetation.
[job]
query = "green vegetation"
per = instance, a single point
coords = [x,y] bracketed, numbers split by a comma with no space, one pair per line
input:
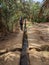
[35,11]
[9,13]
[11,10]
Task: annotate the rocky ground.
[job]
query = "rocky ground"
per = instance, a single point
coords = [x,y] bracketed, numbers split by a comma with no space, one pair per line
[10,49]
[38,40]
[30,48]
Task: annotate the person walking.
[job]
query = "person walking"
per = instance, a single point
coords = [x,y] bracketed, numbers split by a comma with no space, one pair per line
[21,23]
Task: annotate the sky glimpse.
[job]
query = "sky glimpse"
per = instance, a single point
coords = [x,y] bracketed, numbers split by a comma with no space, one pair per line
[38,0]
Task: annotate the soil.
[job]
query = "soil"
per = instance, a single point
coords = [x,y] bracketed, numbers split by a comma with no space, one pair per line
[34,47]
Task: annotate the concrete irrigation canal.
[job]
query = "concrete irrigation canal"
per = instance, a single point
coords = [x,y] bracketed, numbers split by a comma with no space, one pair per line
[24,60]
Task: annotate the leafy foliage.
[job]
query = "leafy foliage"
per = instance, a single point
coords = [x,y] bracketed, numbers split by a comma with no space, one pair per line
[13,9]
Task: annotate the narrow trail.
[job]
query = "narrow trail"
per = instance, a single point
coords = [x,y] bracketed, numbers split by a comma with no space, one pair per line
[33,53]
[24,60]
[30,47]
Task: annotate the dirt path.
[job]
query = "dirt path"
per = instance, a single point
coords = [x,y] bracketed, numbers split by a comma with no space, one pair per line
[38,42]
[35,50]
[10,49]
[30,47]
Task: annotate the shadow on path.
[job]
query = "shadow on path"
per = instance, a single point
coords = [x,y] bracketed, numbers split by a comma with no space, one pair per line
[24,60]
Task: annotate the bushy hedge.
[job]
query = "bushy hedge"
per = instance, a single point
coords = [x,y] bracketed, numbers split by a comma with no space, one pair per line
[39,20]
[10,15]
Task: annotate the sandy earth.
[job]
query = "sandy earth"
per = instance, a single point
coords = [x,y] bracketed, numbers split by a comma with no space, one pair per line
[35,48]
[10,49]
[38,40]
